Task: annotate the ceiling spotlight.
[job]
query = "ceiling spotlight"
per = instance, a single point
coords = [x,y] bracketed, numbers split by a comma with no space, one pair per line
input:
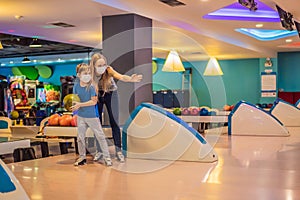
[26,60]
[251,4]
[35,43]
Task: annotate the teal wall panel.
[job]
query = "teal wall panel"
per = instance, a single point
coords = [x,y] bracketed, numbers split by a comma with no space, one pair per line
[241,81]
[6,71]
[289,71]
[165,80]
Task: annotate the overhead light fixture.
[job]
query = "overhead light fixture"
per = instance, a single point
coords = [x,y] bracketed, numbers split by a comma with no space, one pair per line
[251,4]
[266,34]
[1,46]
[288,40]
[173,63]
[26,60]
[213,68]
[35,43]
[172,2]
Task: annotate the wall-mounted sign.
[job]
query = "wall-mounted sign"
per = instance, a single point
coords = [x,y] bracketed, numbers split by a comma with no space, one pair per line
[268,84]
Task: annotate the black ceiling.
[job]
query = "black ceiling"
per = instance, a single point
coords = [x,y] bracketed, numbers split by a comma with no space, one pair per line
[18,46]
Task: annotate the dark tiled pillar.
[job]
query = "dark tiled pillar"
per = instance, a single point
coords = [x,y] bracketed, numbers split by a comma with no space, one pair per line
[127,45]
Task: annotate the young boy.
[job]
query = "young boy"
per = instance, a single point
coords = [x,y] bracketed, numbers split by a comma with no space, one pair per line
[87,116]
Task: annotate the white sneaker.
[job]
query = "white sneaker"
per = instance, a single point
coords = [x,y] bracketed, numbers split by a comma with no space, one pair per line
[108,161]
[120,156]
[97,156]
[80,161]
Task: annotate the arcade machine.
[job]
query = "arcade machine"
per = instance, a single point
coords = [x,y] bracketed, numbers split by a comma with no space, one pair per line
[67,84]
[30,88]
[47,98]
[17,93]
[3,91]
[17,89]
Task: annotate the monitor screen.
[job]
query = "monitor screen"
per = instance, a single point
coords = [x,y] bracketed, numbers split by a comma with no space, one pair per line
[41,95]
[297,24]
[286,19]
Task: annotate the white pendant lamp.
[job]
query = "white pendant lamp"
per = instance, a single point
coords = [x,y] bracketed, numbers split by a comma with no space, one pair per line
[213,68]
[173,63]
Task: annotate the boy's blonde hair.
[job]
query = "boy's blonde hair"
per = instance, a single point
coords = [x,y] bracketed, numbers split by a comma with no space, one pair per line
[78,66]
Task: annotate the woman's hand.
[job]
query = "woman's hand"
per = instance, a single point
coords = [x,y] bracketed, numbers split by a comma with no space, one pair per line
[125,78]
[136,78]
[76,106]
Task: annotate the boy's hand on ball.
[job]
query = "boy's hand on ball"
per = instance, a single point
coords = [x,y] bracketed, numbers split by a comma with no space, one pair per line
[76,106]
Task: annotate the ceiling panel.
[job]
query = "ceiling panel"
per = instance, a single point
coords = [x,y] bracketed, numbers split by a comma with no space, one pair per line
[185,29]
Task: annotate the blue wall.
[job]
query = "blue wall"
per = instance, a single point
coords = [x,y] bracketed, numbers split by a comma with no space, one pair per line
[60,70]
[241,81]
[65,69]
[289,71]
[165,80]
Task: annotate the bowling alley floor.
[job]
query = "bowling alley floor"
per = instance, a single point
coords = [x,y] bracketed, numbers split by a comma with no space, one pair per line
[249,167]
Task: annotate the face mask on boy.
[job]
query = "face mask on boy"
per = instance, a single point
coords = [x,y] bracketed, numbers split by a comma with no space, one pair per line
[101,70]
[86,78]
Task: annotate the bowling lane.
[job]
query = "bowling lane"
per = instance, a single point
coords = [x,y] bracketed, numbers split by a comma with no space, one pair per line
[249,167]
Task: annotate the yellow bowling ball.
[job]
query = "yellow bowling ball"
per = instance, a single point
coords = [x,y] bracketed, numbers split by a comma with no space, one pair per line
[69,99]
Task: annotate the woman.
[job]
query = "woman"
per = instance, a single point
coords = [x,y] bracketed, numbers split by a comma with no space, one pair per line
[103,77]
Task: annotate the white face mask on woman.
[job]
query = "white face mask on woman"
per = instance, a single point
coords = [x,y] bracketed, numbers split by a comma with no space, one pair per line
[86,78]
[101,70]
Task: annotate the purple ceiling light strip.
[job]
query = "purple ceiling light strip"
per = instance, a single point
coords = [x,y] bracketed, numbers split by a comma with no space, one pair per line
[236,11]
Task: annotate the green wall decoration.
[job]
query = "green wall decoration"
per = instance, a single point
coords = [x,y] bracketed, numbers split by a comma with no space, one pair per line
[16,71]
[154,67]
[44,71]
[30,72]
[33,73]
